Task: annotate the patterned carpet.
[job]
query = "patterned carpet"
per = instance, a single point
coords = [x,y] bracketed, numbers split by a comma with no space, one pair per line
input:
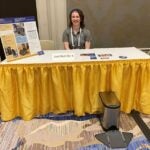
[53,132]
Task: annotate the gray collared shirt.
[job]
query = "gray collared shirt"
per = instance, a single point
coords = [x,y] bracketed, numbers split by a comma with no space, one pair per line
[85,36]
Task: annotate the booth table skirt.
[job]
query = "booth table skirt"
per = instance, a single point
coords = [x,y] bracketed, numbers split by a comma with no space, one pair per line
[28,90]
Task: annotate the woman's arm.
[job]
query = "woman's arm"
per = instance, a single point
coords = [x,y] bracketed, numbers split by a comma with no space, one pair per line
[65,39]
[87,45]
[66,45]
[88,39]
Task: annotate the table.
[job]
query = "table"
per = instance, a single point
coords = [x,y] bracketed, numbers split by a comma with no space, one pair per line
[69,80]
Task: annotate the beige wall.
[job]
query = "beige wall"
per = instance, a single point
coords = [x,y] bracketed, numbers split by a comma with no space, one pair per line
[116,23]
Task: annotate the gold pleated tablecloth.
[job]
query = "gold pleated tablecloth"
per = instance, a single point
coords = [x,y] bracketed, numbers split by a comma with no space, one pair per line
[40,84]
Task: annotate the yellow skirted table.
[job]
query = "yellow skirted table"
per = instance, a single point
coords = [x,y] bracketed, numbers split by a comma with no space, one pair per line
[27,90]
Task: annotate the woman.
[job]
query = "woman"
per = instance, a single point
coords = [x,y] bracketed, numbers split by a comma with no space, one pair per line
[76,36]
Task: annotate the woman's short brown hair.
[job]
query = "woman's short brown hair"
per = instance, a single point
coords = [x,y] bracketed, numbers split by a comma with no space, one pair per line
[82,25]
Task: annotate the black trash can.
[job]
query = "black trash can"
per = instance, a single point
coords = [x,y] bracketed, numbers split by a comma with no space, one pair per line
[110,119]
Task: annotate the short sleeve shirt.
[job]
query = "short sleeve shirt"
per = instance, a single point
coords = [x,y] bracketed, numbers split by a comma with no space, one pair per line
[77,41]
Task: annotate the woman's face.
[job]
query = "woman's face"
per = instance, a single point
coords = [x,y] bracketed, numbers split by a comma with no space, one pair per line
[75,18]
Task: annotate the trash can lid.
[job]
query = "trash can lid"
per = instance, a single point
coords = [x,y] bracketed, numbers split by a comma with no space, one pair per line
[109,99]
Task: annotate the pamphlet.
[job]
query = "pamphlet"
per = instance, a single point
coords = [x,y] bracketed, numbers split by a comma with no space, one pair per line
[91,55]
[105,56]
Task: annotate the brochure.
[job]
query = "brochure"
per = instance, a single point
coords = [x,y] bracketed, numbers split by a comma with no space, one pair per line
[91,55]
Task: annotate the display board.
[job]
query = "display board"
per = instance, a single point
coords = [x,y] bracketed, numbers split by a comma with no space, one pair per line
[16,8]
[19,37]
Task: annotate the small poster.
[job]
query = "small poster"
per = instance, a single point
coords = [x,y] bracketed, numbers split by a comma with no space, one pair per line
[19,37]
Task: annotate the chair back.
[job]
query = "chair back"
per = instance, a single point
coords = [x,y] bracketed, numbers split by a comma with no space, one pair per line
[47,44]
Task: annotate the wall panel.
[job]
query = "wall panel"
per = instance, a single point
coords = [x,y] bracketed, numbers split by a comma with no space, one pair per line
[116,23]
